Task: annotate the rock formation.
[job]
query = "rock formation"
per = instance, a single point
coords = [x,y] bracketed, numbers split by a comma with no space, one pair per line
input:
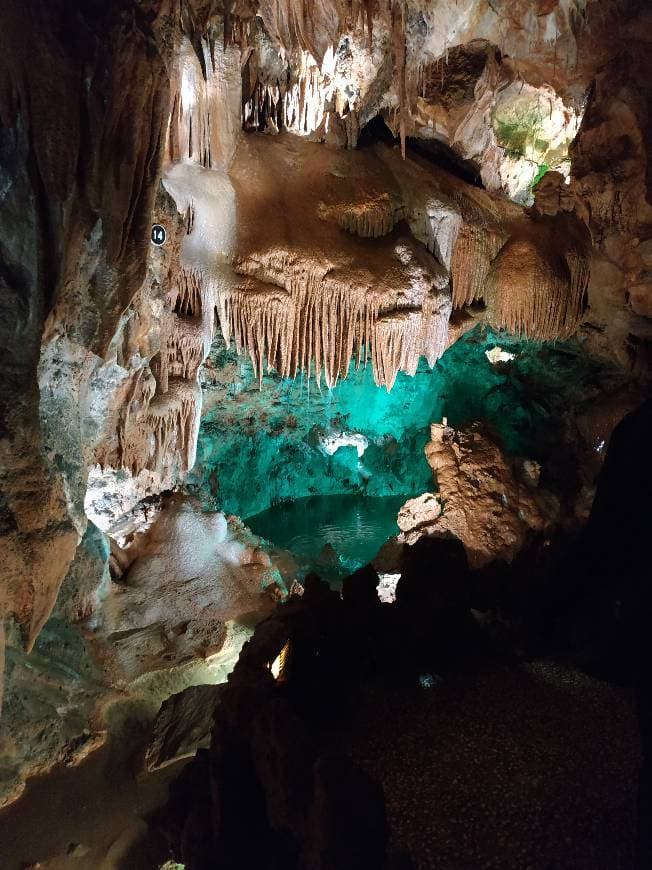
[474,77]
[485,500]
[191,585]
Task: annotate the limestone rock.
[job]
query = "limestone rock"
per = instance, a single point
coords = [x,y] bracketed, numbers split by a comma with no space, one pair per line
[487,501]
[419,511]
[51,705]
[182,723]
[75,237]
[87,578]
[194,574]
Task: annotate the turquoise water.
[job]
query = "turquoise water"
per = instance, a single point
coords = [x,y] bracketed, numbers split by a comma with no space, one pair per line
[261,447]
[333,535]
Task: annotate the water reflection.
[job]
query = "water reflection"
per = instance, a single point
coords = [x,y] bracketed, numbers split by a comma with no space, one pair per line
[332,535]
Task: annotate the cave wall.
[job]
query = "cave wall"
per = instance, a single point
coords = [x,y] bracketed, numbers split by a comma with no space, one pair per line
[88,119]
[551,402]
[80,157]
[505,87]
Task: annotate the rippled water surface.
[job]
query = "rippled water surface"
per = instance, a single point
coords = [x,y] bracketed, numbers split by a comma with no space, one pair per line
[332,534]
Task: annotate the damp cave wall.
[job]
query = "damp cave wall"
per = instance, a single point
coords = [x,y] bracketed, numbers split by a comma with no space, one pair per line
[260,444]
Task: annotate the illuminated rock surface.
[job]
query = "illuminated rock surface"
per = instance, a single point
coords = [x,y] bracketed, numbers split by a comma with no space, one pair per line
[491,504]
[193,587]
[258,446]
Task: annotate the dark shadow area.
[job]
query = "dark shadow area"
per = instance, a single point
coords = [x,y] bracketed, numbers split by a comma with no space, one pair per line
[433,151]
[375,131]
[470,723]
[441,155]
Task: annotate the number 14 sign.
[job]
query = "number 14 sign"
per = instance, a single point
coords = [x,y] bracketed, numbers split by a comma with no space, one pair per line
[158,234]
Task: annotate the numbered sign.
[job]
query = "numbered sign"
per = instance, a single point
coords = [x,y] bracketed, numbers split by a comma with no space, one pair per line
[158,234]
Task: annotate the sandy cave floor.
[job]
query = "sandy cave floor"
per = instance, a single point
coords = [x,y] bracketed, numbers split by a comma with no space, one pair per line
[84,817]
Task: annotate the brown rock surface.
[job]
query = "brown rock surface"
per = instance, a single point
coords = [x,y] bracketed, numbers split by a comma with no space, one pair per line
[487,501]
[85,168]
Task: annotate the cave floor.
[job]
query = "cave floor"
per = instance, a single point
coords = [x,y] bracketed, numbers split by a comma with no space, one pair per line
[532,766]
[84,817]
[493,766]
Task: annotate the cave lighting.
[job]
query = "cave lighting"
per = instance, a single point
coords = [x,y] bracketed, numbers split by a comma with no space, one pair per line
[277,667]
[332,442]
[386,588]
[498,355]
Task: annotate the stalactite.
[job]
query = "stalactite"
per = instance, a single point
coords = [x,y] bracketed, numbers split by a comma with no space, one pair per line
[370,219]
[369,14]
[315,320]
[188,329]
[165,428]
[159,425]
[307,100]
[201,127]
[400,52]
[396,345]
[185,349]
[437,310]
[475,249]
[403,336]
[294,314]
[536,295]
[187,292]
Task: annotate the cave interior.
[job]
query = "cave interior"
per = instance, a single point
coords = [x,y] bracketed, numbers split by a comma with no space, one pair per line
[325,426]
